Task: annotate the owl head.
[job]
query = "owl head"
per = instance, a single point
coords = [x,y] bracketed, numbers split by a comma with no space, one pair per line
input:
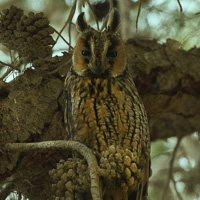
[99,53]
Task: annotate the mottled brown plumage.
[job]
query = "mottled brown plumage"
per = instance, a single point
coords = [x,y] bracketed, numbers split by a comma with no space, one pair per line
[105,112]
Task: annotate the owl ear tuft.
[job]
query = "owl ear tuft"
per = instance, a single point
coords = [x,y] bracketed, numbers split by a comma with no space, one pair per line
[114,21]
[81,23]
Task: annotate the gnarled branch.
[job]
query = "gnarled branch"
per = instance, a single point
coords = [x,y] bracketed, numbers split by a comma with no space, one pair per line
[64,145]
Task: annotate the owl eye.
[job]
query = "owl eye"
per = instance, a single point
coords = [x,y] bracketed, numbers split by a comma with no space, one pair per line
[111,53]
[85,52]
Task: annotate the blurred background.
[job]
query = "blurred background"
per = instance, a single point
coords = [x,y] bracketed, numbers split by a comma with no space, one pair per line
[175,161]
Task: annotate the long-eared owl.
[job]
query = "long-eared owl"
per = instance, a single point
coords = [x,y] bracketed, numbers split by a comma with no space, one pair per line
[105,112]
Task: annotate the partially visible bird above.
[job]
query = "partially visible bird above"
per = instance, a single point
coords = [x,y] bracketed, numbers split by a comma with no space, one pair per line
[104,110]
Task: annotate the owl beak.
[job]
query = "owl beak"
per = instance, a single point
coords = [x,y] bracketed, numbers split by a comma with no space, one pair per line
[97,68]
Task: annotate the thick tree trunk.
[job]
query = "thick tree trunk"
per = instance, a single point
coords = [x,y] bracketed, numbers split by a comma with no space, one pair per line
[32,105]
[168,80]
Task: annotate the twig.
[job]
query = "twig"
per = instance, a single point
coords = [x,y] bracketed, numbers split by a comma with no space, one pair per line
[111,5]
[181,9]
[107,16]
[14,67]
[95,17]
[63,38]
[69,33]
[104,23]
[20,196]
[6,73]
[64,145]
[177,193]
[71,14]
[5,192]
[138,14]
[11,56]
[6,64]
[170,175]
[57,69]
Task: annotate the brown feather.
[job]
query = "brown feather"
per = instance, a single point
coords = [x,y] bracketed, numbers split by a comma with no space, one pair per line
[104,111]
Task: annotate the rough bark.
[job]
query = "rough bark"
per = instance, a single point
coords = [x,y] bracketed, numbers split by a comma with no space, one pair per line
[32,105]
[65,145]
[168,80]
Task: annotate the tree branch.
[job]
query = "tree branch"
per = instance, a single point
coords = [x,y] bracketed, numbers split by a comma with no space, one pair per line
[170,175]
[63,38]
[93,13]
[107,16]
[138,14]
[69,19]
[5,192]
[168,81]
[64,145]
[179,3]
